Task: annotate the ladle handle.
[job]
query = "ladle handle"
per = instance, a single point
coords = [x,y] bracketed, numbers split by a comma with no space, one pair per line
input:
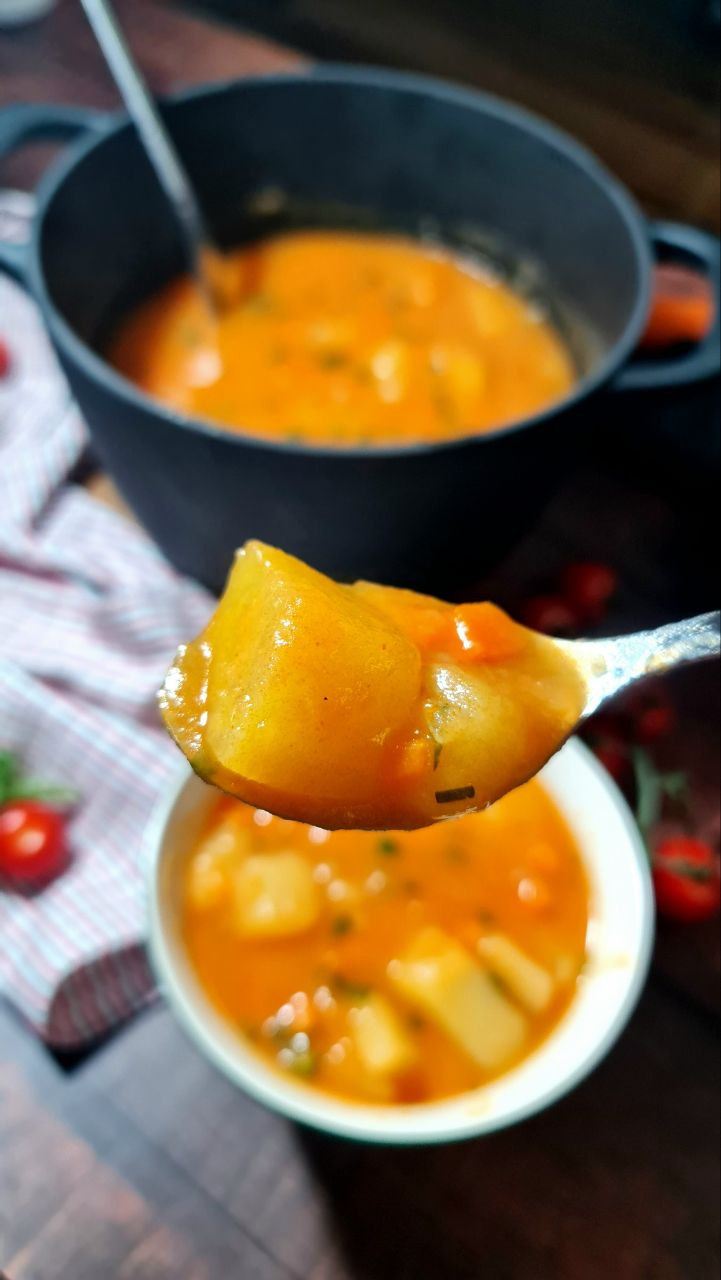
[166,162]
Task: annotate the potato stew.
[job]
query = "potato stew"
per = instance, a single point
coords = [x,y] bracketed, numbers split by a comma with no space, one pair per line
[389,967]
[348,339]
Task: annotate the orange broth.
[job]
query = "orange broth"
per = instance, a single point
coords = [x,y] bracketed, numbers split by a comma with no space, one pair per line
[309,999]
[348,339]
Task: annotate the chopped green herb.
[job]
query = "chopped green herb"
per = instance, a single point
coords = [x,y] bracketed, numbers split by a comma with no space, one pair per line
[443,407]
[455,793]
[332,359]
[341,925]
[485,917]
[437,748]
[189,336]
[498,982]
[457,856]
[354,990]
[416,1022]
[260,304]
[304,1064]
[387,847]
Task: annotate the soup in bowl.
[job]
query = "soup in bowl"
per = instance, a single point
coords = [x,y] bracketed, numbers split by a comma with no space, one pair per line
[405,988]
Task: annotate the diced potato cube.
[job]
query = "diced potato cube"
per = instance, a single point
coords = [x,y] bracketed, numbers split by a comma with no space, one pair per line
[531,984]
[464,380]
[275,895]
[303,673]
[390,361]
[209,877]
[495,721]
[381,1041]
[438,976]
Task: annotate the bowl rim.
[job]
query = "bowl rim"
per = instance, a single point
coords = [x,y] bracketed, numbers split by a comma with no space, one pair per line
[96,368]
[350,1119]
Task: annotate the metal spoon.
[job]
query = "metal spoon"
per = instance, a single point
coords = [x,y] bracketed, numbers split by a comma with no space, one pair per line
[608,666]
[205,258]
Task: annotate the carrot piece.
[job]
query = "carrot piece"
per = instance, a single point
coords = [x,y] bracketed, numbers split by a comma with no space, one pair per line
[414,759]
[486,634]
[682,307]
[428,628]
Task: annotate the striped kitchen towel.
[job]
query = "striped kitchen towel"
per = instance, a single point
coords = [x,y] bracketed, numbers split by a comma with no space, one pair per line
[89,616]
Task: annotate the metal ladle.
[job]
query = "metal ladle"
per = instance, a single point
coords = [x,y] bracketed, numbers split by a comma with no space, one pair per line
[205,259]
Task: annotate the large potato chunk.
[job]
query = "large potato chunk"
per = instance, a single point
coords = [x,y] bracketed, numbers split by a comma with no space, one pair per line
[364,706]
[437,975]
[495,723]
[295,685]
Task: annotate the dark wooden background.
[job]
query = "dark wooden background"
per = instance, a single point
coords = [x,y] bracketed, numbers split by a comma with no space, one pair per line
[638,81]
[142,1163]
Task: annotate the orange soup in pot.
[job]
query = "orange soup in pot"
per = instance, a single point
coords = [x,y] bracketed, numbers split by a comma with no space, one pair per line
[347,339]
[393,967]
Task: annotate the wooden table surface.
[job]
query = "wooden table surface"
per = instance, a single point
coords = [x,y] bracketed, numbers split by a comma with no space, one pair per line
[142,1163]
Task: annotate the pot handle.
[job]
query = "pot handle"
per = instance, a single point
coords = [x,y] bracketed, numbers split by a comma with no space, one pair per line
[697,248]
[25,122]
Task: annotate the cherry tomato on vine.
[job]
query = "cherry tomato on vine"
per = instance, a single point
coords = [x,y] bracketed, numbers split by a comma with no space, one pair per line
[615,761]
[33,843]
[551,615]
[686,878]
[588,587]
[653,722]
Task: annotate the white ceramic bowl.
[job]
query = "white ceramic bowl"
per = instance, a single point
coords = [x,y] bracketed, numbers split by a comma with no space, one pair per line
[619,942]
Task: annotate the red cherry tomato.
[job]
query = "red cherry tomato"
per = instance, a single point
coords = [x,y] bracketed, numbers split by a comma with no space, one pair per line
[687,878]
[589,587]
[550,614]
[654,722]
[33,845]
[615,761]
[5,360]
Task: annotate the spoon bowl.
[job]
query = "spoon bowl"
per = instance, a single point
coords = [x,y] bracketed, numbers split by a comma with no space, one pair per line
[373,708]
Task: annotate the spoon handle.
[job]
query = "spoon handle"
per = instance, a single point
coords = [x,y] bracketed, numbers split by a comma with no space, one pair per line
[613,665]
[167,164]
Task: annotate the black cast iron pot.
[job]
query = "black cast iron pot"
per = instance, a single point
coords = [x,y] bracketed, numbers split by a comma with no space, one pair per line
[397,148]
